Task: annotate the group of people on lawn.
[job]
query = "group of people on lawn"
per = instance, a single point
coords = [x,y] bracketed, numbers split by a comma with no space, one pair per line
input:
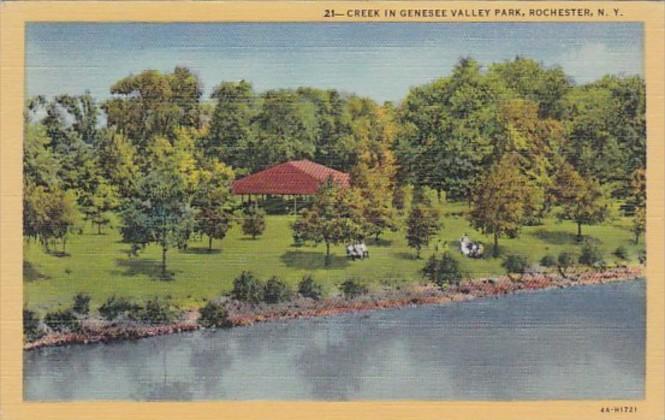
[357,251]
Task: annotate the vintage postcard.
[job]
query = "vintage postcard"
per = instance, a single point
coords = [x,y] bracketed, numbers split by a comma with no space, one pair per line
[332,210]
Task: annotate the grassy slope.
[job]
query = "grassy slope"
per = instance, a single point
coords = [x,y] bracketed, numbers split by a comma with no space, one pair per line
[100,265]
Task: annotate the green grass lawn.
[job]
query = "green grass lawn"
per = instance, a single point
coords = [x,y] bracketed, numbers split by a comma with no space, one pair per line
[100,265]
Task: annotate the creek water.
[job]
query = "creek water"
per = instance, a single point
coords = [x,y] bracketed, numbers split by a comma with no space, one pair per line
[585,342]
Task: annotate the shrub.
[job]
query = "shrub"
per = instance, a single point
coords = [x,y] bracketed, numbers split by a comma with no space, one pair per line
[155,311]
[565,261]
[309,288]
[548,261]
[31,329]
[621,252]
[247,288]
[515,264]
[276,291]
[444,271]
[62,320]
[352,288]
[254,221]
[214,315]
[642,256]
[590,255]
[81,304]
[114,307]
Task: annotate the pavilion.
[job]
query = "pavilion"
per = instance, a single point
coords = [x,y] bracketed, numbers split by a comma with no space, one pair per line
[294,178]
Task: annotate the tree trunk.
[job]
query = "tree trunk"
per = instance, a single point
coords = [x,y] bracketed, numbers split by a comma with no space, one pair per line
[209,243]
[579,231]
[163,262]
[327,262]
[64,245]
[496,245]
[438,195]
[637,238]
[417,252]
[99,228]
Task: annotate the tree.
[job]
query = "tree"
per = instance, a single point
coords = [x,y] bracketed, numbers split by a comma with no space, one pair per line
[253,221]
[501,200]
[230,127]
[421,225]
[212,201]
[118,162]
[584,201]
[159,212]
[97,206]
[49,215]
[332,218]
[152,104]
[443,271]
[515,264]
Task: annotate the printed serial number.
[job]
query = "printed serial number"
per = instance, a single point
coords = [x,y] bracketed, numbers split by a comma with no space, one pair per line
[614,410]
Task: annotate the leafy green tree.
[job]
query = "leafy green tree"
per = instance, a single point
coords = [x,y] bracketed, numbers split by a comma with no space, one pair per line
[332,218]
[584,201]
[515,264]
[444,271]
[639,201]
[152,104]
[286,129]
[31,325]
[247,288]
[530,80]
[501,201]
[253,221]
[40,164]
[214,315]
[118,162]
[159,212]
[49,215]
[276,291]
[421,225]
[81,304]
[565,261]
[309,288]
[230,130]
[212,201]
[98,205]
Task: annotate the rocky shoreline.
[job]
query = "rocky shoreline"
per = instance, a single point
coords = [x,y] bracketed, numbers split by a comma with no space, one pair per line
[97,331]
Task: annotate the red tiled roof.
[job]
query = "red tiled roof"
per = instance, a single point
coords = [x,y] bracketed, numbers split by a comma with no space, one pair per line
[298,177]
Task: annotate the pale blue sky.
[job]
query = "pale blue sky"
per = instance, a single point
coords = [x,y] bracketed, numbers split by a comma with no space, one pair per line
[379,60]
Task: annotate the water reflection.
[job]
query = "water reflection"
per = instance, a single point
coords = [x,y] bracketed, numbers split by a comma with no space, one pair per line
[563,344]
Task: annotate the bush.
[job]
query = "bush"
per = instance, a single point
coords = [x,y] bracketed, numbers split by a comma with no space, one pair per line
[114,307]
[642,256]
[254,221]
[548,261]
[155,311]
[214,315]
[352,288]
[31,329]
[444,271]
[590,255]
[63,320]
[81,304]
[515,264]
[247,288]
[621,253]
[565,261]
[309,288]
[276,291]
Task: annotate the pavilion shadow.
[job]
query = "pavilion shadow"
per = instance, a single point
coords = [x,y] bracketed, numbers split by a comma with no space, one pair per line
[313,260]
[141,266]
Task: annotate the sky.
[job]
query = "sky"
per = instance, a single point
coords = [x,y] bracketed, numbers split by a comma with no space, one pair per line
[379,60]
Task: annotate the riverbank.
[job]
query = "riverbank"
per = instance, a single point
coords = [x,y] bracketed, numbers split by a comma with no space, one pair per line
[96,330]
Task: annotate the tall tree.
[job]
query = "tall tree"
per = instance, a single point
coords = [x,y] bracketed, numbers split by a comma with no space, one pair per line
[584,201]
[421,226]
[333,218]
[230,130]
[212,200]
[501,201]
